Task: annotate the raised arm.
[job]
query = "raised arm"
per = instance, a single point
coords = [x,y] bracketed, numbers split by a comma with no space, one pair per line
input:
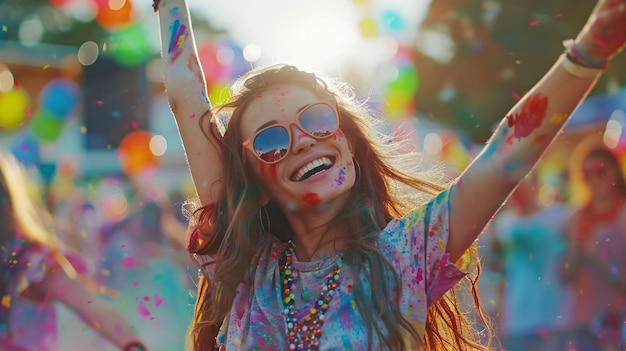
[187,94]
[529,128]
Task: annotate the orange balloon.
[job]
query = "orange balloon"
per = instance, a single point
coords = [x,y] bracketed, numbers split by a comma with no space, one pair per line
[113,18]
[134,153]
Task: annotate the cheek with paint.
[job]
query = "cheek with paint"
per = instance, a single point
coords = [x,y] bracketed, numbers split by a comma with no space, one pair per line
[341,177]
[268,172]
[311,199]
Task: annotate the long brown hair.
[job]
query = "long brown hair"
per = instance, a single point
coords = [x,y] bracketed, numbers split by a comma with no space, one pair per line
[232,232]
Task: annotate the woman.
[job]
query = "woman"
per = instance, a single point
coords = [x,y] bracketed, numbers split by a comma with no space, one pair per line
[596,255]
[36,271]
[309,234]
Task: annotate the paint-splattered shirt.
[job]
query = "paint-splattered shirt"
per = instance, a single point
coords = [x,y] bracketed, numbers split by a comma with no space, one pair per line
[258,322]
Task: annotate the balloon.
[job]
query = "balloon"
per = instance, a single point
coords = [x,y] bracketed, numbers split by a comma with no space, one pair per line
[407,81]
[392,21]
[129,46]
[46,126]
[112,19]
[219,94]
[25,148]
[207,54]
[14,109]
[60,97]
[134,152]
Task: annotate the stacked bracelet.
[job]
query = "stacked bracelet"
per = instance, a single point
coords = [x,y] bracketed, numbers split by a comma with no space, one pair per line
[580,64]
[578,56]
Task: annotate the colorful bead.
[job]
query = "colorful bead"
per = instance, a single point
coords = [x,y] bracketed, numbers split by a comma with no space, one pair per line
[311,326]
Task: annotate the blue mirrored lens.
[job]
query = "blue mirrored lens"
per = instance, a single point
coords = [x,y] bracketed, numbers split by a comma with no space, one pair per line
[272,144]
[319,120]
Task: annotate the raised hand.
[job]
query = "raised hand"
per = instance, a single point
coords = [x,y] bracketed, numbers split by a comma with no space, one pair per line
[604,34]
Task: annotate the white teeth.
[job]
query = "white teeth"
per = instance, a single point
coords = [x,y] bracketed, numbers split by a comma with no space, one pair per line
[309,166]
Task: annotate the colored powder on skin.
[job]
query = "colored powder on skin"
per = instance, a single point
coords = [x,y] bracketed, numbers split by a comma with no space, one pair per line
[312,199]
[269,171]
[341,177]
[530,117]
[158,300]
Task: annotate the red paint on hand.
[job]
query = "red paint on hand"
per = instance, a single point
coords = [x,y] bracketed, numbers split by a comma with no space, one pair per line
[532,113]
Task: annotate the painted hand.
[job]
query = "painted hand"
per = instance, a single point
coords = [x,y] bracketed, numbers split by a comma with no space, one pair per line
[604,34]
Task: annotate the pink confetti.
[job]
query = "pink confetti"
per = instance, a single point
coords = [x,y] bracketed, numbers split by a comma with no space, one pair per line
[533,23]
[193,115]
[135,283]
[157,300]
[558,15]
[142,310]
[128,262]
[146,298]
[134,124]
[516,96]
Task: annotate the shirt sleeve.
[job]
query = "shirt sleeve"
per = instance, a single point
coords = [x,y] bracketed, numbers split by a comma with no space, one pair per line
[428,228]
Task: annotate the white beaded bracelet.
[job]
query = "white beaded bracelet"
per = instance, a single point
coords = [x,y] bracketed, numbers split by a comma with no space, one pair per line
[578,70]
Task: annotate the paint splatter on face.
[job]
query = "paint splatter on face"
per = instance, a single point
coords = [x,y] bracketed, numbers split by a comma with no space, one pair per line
[341,177]
[312,199]
[269,172]
[530,117]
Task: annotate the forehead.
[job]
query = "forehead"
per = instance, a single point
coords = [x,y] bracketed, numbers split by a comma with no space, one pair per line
[280,103]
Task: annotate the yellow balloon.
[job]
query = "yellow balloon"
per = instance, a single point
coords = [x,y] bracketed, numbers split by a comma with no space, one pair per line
[14,108]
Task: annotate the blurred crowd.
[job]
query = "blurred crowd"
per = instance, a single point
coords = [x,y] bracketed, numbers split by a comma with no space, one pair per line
[553,268]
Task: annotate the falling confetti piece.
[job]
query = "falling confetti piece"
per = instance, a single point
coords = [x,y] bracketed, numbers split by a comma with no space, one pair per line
[157,300]
[6,301]
[128,262]
[142,310]
[533,23]
[558,15]
[5,28]
[516,96]
[46,67]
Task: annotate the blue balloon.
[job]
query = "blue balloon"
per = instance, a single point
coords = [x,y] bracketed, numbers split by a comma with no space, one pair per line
[25,148]
[60,97]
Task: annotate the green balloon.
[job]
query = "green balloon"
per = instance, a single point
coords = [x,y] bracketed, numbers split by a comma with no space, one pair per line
[129,46]
[46,126]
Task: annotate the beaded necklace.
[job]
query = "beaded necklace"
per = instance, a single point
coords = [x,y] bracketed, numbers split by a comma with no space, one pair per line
[305,334]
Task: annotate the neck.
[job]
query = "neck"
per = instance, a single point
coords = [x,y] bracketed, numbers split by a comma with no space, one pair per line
[315,237]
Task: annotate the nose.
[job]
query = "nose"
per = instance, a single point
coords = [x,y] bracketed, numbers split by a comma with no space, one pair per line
[301,141]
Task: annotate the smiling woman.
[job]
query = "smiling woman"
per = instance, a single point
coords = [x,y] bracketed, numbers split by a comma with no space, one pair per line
[314,233]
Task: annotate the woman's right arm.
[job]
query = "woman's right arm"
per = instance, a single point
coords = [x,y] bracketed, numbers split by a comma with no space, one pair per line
[186,90]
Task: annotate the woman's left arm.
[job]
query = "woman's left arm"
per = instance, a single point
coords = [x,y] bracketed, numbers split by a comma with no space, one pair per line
[529,128]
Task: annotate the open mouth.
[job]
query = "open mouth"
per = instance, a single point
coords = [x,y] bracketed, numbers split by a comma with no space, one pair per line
[312,168]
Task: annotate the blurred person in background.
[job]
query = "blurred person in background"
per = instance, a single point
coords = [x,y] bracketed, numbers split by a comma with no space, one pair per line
[36,270]
[149,271]
[595,264]
[528,240]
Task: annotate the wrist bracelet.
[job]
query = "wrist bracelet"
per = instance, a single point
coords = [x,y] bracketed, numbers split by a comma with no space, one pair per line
[580,57]
[135,346]
[577,70]
[155,5]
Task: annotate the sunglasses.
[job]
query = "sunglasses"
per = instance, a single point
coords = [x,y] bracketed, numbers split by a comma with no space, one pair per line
[271,144]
